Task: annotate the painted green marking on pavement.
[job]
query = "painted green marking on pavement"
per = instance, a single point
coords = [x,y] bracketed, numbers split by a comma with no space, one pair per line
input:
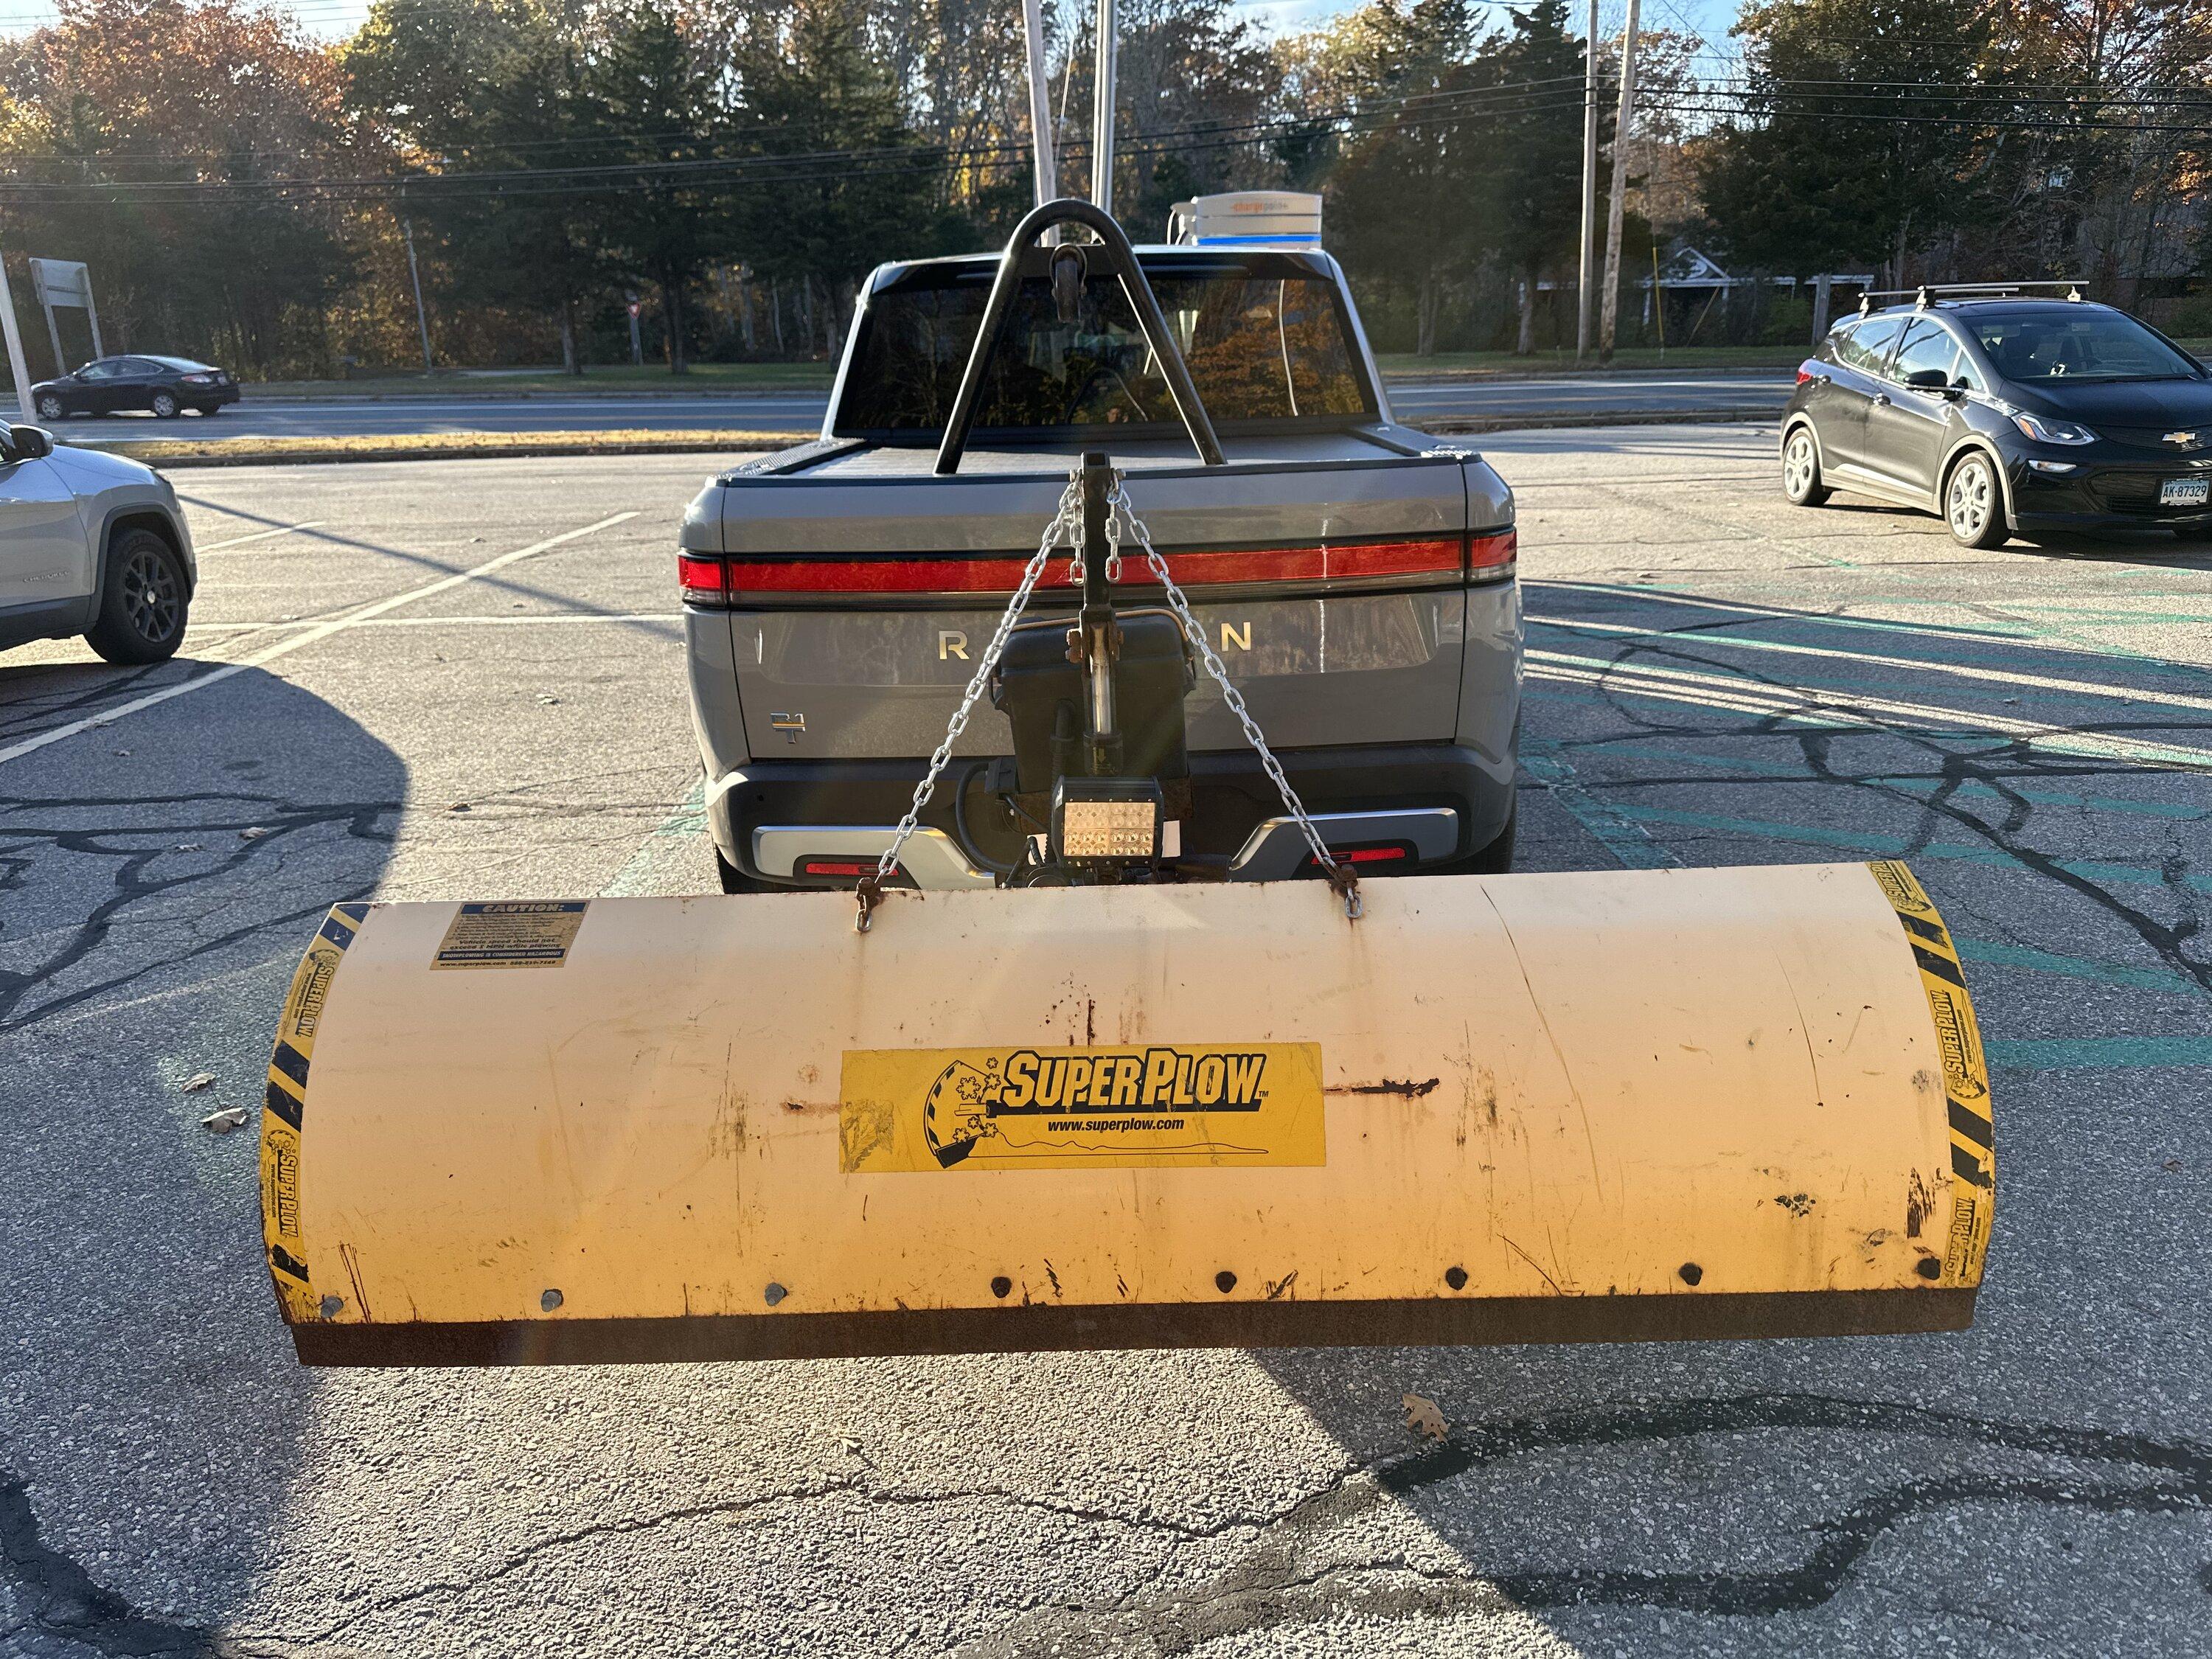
[638,877]
[1772,772]
[1630,843]
[2098,973]
[2098,1054]
[1891,846]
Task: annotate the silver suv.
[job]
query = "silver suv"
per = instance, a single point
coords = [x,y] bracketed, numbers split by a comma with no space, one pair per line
[93,545]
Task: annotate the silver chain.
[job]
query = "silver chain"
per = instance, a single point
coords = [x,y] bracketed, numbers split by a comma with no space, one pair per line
[1066,527]
[1118,509]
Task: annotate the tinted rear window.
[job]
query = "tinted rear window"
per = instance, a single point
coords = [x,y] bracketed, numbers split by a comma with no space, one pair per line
[1261,347]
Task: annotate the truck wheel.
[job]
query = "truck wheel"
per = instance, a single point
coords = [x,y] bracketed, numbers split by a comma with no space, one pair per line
[143,606]
[1800,470]
[1973,503]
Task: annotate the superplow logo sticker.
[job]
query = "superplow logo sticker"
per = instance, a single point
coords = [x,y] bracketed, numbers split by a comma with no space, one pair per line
[1901,888]
[1162,1105]
[1961,1040]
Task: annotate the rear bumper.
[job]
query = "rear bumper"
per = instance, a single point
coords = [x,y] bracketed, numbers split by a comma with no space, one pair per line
[1444,802]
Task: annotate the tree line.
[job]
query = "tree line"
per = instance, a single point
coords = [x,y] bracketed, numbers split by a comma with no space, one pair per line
[728,170]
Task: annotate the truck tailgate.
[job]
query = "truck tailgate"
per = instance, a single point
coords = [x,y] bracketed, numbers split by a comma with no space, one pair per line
[851,645]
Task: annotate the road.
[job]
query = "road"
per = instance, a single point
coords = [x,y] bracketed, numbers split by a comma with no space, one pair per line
[1715,680]
[801,411]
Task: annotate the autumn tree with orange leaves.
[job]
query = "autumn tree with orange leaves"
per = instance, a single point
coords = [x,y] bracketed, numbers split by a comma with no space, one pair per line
[149,138]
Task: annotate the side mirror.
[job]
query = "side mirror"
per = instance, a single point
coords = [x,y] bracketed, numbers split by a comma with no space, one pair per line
[1928,379]
[28,443]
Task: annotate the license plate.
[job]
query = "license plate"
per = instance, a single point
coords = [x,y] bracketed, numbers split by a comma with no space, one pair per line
[2185,492]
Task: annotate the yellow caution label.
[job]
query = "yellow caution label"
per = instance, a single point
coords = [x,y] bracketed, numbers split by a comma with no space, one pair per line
[1163,1106]
[524,933]
[283,1111]
[1965,1073]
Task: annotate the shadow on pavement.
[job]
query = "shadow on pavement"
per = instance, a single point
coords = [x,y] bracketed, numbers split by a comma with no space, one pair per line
[159,878]
[1812,1497]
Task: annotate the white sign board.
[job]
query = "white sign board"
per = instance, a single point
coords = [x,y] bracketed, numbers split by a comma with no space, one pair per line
[61,283]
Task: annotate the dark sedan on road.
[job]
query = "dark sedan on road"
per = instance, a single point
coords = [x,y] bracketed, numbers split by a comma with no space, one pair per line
[164,385]
[2005,415]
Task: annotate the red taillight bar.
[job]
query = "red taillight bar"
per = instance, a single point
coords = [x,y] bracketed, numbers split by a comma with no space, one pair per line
[1392,852]
[1494,550]
[705,576]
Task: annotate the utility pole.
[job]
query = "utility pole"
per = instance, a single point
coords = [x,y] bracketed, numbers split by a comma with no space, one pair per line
[1610,305]
[16,366]
[414,276]
[1584,281]
[1102,120]
[1047,167]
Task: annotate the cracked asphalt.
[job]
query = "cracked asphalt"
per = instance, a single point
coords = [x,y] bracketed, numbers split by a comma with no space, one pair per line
[1714,678]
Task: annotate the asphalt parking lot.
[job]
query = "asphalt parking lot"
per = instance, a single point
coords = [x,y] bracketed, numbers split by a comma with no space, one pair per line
[431,680]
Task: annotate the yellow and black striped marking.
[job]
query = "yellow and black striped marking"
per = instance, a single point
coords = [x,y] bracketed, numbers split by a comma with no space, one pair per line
[1966,1072]
[284,1108]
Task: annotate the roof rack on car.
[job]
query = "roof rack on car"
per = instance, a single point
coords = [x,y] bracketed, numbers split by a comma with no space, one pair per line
[1936,294]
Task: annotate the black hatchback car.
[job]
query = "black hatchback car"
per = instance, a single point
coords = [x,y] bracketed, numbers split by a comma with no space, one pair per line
[167,385]
[2005,415]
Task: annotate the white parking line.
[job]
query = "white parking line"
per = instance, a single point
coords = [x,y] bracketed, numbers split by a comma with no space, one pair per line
[268,653]
[258,536]
[1827,705]
[1679,642]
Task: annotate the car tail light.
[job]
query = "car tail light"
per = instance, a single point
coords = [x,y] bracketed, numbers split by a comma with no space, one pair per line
[1492,552]
[199,379]
[1396,852]
[702,575]
[1803,374]
[843,867]
[1489,553]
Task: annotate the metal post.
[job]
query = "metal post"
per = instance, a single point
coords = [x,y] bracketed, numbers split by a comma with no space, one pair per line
[53,334]
[637,341]
[1047,164]
[1097,634]
[1823,296]
[1610,295]
[16,366]
[92,316]
[414,276]
[1585,279]
[1102,120]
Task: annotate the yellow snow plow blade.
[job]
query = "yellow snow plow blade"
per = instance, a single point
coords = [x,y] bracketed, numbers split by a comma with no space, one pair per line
[1535,1107]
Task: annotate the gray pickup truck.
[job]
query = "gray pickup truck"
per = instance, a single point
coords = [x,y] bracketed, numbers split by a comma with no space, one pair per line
[1357,577]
